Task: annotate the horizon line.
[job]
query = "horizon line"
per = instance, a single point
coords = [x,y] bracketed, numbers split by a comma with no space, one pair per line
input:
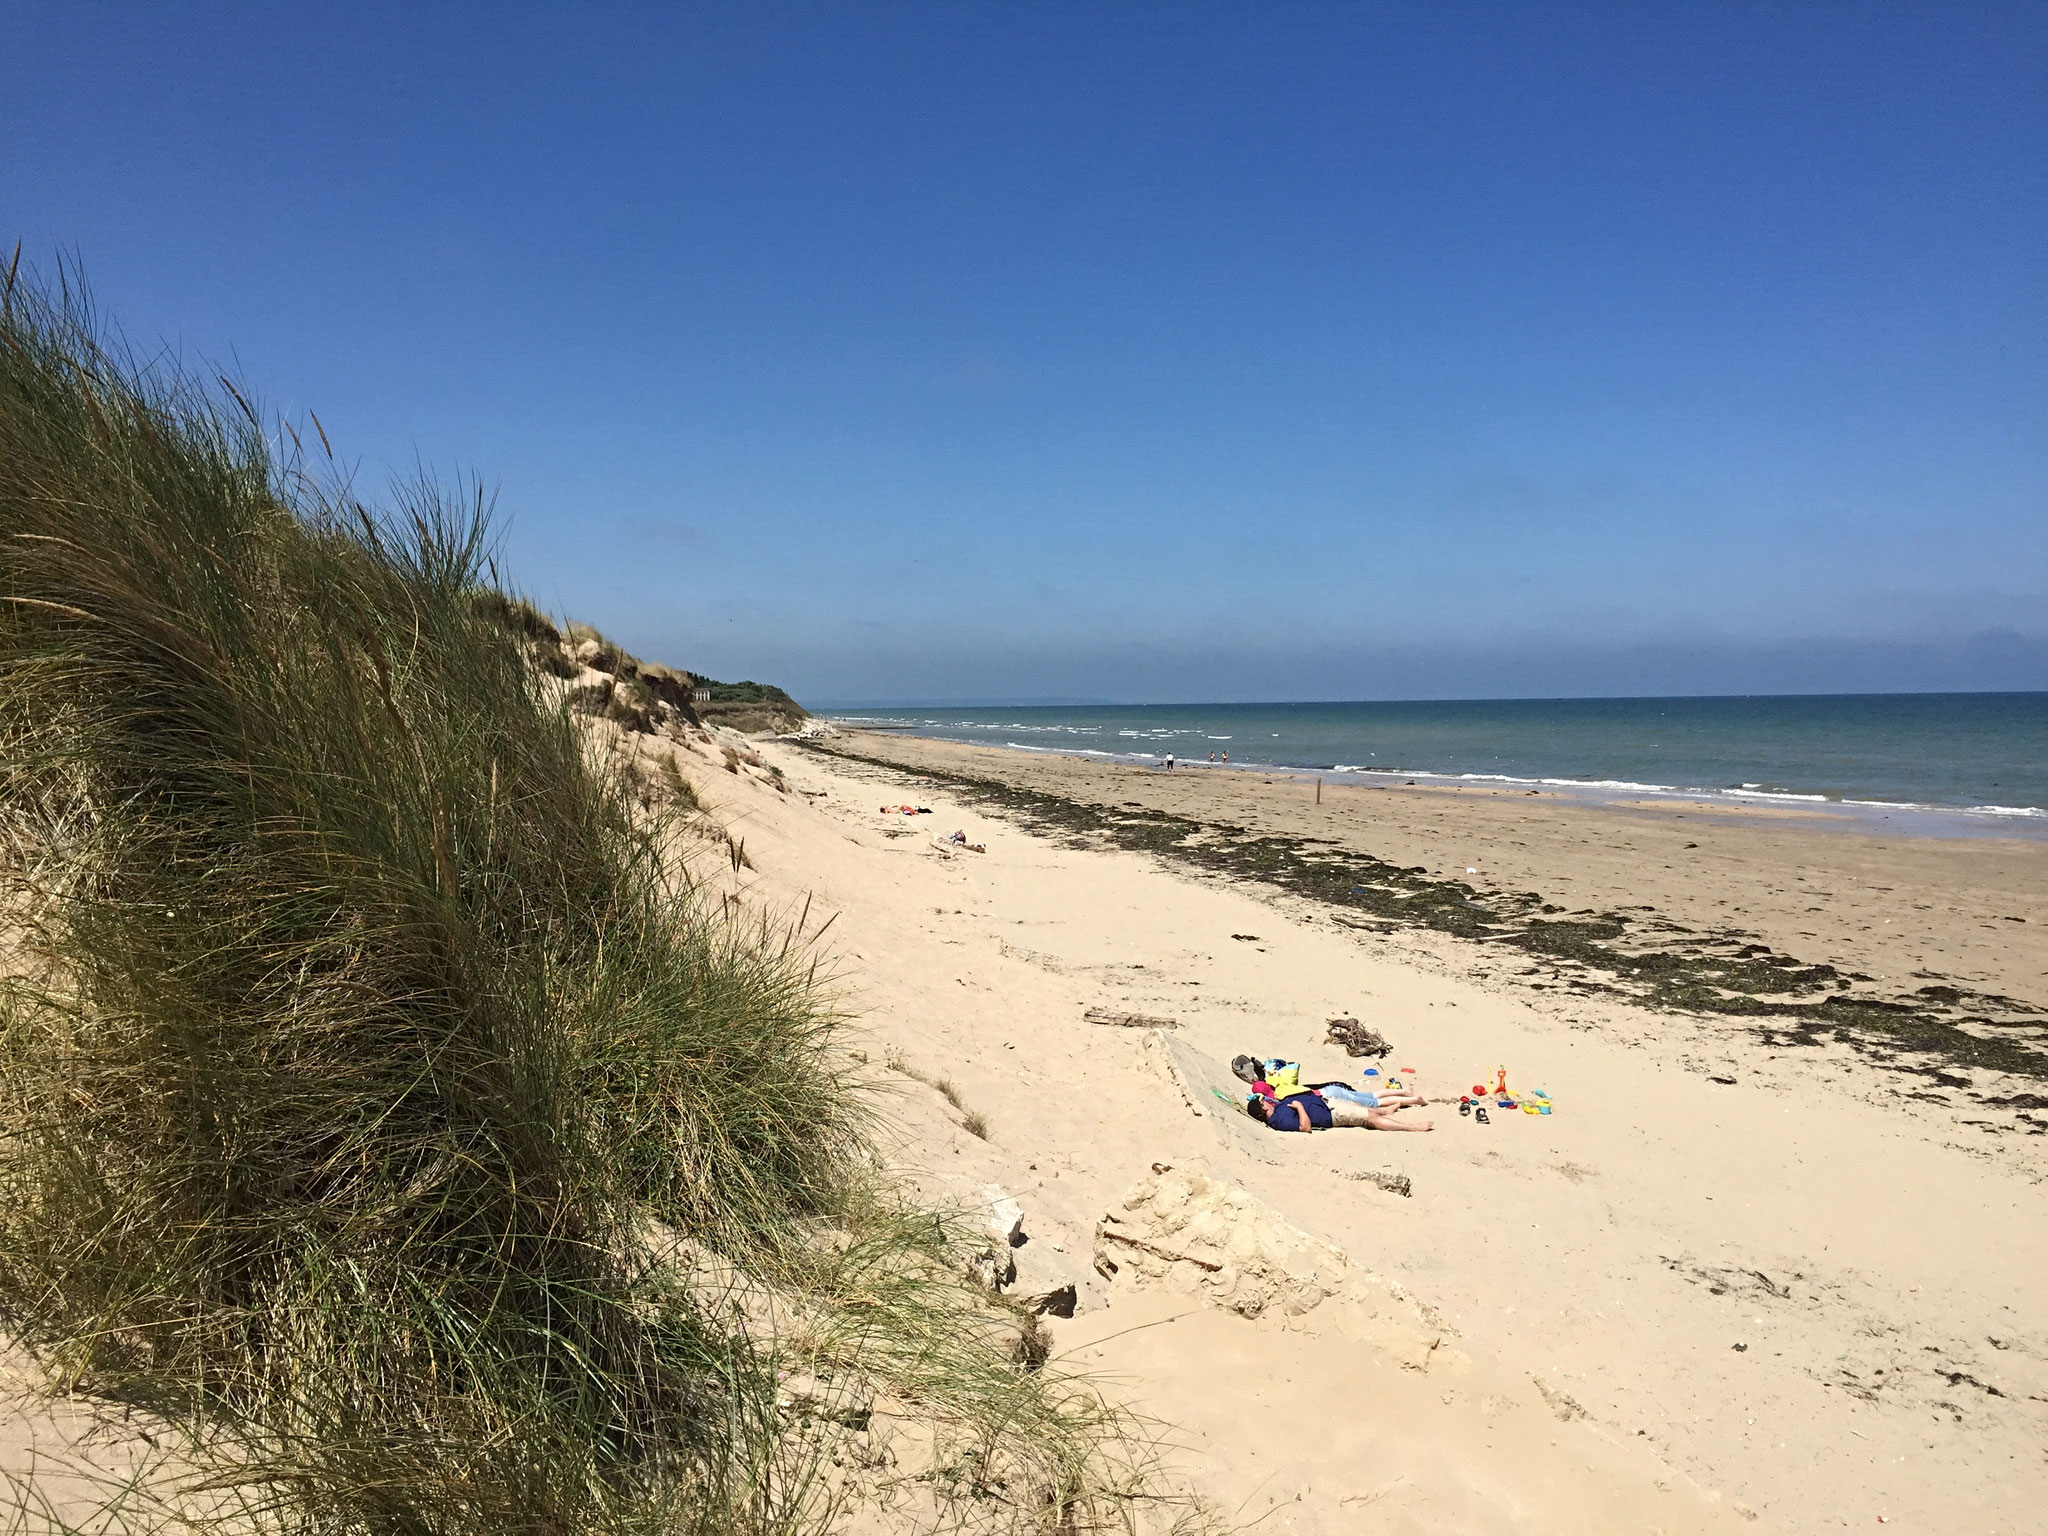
[1584,698]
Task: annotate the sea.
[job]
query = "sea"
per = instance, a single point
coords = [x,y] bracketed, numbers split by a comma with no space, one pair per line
[1959,762]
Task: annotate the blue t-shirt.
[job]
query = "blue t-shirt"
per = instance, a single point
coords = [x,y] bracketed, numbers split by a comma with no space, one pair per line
[1288,1116]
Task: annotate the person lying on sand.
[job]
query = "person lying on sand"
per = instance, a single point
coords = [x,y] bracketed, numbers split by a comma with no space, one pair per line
[1319,1110]
[1274,1079]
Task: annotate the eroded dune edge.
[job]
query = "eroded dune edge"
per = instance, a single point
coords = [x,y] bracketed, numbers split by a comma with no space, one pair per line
[399,1132]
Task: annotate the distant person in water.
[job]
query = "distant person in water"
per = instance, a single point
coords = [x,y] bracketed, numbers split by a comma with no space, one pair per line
[1314,1110]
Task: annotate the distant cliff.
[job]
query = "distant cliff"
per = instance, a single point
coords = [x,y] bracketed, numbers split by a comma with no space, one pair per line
[748,706]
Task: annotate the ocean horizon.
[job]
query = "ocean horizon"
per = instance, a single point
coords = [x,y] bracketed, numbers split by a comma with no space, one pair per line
[1979,755]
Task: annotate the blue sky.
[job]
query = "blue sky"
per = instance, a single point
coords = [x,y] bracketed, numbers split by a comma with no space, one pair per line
[1142,352]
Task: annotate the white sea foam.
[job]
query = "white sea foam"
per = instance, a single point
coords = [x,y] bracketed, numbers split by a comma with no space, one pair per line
[1627,785]
[1151,743]
[1745,792]
[1020,746]
[2027,811]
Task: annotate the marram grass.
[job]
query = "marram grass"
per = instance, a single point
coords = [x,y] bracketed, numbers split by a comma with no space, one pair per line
[374,1104]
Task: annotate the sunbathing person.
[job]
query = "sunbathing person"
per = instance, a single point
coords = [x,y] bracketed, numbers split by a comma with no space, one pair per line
[1274,1079]
[1313,1110]
[1393,1096]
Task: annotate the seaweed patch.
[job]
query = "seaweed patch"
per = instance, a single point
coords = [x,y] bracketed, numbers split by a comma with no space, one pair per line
[1648,960]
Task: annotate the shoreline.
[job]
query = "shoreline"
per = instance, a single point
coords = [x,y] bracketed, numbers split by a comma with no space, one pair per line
[1961,1004]
[1895,817]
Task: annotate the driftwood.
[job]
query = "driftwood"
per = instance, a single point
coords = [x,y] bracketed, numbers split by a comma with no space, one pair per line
[1392,1183]
[1357,1039]
[1157,1252]
[1128,1020]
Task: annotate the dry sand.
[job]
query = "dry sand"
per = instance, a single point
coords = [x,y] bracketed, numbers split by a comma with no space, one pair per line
[1795,1300]
[1804,1299]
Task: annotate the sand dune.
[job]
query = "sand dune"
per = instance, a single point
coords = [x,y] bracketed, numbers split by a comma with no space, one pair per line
[1730,1284]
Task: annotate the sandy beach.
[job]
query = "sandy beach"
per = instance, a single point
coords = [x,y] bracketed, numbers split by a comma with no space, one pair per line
[1724,1283]
[1907,909]
[996,771]
[1745,1276]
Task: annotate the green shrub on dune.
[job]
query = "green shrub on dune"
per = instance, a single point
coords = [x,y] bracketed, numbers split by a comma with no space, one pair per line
[375,1106]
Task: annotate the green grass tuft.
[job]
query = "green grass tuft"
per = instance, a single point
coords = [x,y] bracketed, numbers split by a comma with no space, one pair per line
[374,1101]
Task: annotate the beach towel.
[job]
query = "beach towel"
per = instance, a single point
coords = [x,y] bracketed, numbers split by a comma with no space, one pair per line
[1283,1077]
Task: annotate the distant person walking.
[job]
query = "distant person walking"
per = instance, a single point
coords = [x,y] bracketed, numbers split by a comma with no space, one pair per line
[1169,762]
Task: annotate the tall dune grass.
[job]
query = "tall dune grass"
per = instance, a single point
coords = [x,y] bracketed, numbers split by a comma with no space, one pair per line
[373,1102]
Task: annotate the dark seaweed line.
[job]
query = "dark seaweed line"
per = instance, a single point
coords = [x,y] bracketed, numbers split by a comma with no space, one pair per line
[1693,974]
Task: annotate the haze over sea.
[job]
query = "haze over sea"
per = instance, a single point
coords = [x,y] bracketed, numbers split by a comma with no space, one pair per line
[1982,757]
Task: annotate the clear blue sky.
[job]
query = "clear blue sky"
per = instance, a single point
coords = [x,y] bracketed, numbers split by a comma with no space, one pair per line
[1132,351]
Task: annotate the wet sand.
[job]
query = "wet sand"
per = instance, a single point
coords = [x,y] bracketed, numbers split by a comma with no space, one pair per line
[1903,909]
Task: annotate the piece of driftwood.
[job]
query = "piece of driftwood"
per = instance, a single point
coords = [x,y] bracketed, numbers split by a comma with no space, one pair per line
[1128,1020]
[1357,1039]
[1392,1183]
[1157,1252]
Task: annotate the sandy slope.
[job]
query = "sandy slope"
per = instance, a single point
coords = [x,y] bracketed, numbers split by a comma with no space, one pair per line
[1881,1274]
[1544,1337]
